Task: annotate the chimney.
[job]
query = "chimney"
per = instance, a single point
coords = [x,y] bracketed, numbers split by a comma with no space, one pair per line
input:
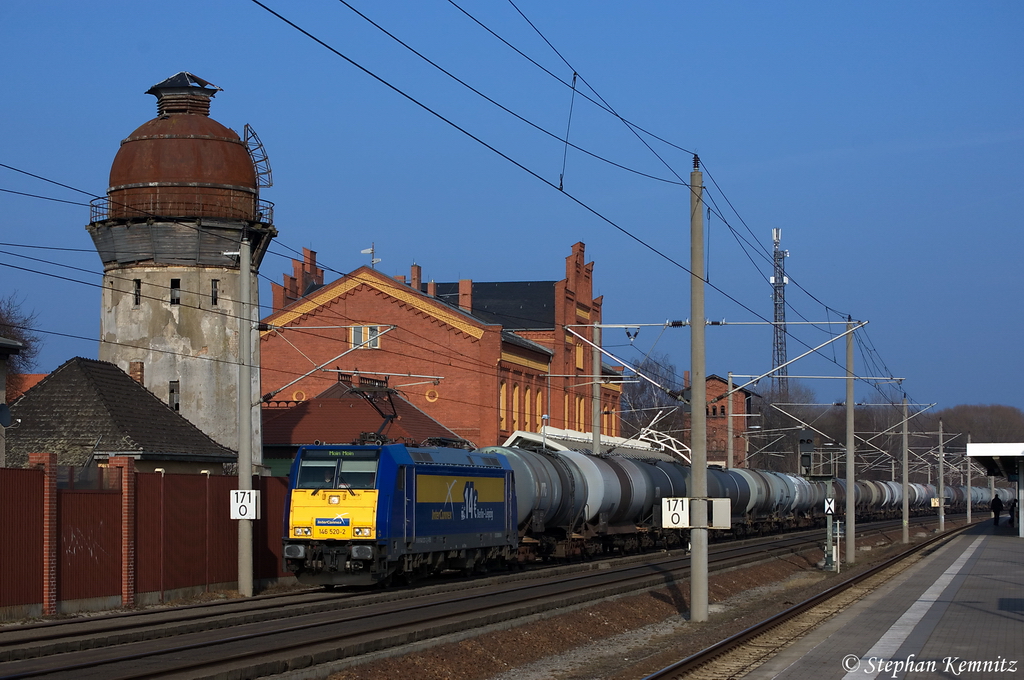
[400,278]
[432,289]
[417,276]
[137,372]
[686,380]
[466,295]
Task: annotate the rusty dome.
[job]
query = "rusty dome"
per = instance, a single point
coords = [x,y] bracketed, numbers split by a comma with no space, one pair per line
[183,164]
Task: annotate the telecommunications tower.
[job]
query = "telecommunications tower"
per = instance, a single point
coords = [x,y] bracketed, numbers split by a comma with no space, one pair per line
[780,379]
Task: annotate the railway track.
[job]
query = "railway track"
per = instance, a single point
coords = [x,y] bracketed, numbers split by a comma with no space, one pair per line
[744,651]
[251,638]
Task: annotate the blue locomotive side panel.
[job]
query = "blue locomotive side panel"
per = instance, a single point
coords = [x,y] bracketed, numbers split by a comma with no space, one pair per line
[463,503]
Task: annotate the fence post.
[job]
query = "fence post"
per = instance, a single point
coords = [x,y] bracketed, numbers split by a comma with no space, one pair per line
[126,465]
[51,535]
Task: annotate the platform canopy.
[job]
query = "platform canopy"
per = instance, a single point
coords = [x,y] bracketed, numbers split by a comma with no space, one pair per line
[1000,460]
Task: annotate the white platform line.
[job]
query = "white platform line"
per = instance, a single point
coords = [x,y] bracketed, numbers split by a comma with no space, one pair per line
[893,638]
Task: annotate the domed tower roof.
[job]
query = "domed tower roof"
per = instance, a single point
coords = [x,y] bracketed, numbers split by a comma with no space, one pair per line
[183,164]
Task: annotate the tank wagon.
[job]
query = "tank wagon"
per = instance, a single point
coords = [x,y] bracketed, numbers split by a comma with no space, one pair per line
[367,514]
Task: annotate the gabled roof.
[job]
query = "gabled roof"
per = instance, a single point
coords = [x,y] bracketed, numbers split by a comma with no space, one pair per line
[340,414]
[519,341]
[720,379]
[365,276]
[88,408]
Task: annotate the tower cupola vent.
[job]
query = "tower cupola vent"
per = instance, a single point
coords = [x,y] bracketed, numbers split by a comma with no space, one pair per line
[183,93]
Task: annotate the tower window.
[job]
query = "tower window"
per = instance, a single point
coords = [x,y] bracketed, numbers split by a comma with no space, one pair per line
[137,292]
[214,291]
[175,291]
[174,395]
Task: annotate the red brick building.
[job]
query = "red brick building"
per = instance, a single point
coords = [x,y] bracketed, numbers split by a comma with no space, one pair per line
[483,359]
[718,421]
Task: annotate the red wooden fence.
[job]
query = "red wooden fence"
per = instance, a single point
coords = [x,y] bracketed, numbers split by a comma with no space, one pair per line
[180,533]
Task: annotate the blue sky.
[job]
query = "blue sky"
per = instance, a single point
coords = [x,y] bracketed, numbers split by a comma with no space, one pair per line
[885,139]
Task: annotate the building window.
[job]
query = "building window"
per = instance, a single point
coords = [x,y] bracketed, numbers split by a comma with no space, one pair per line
[214,291]
[175,291]
[579,357]
[174,395]
[515,407]
[528,410]
[137,292]
[502,406]
[540,410]
[368,334]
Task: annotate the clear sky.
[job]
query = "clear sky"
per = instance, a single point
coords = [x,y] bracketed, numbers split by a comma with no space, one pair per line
[885,139]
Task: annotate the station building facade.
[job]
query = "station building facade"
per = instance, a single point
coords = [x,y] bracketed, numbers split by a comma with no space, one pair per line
[483,358]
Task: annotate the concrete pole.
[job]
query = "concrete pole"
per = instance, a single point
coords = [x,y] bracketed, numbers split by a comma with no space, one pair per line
[906,480]
[851,504]
[730,463]
[698,404]
[244,412]
[595,406]
[942,482]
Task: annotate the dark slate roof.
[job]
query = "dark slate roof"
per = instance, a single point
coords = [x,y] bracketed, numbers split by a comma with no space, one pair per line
[339,415]
[88,406]
[519,341]
[184,79]
[513,304]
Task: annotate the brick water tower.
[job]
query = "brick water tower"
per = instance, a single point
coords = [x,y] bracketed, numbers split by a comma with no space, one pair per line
[184,192]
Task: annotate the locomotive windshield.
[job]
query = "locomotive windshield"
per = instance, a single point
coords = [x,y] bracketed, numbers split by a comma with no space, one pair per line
[337,470]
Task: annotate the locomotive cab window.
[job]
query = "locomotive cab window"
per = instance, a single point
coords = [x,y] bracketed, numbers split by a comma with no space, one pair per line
[347,473]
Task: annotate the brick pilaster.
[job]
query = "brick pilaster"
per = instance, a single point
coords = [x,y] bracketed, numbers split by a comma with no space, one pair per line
[51,540]
[126,465]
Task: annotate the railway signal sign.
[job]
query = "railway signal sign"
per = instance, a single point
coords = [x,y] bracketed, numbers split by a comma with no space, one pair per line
[830,506]
[675,512]
[245,504]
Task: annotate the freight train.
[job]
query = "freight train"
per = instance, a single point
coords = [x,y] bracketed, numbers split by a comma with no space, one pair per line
[368,514]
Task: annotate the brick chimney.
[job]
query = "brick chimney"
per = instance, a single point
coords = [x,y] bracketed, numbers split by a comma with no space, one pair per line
[432,289]
[466,295]
[417,276]
[137,372]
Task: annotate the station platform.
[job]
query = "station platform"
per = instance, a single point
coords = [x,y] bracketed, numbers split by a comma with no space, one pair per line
[957,613]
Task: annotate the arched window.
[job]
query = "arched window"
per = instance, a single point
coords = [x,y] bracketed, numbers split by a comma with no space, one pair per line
[515,407]
[540,410]
[528,410]
[502,406]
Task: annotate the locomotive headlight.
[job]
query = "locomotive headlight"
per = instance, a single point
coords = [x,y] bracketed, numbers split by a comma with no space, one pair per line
[334,500]
[362,531]
[303,531]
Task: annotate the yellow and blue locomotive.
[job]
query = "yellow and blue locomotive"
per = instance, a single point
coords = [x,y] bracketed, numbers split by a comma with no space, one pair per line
[359,515]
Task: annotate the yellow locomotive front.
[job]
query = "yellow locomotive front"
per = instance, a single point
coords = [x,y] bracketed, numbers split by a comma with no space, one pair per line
[332,514]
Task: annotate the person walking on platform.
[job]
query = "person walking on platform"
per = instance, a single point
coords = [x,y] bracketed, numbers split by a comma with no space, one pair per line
[997,507]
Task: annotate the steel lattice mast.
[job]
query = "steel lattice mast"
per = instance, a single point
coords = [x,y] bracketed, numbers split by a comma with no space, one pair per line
[779,281]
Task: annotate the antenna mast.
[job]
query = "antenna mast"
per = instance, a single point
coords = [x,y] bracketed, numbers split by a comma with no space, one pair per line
[781,378]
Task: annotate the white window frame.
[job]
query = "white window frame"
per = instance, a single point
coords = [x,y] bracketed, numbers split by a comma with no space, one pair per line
[360,334]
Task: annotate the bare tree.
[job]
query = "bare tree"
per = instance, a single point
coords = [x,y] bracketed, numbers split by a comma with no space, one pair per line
[641,400]
[774,445]
[17,324]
